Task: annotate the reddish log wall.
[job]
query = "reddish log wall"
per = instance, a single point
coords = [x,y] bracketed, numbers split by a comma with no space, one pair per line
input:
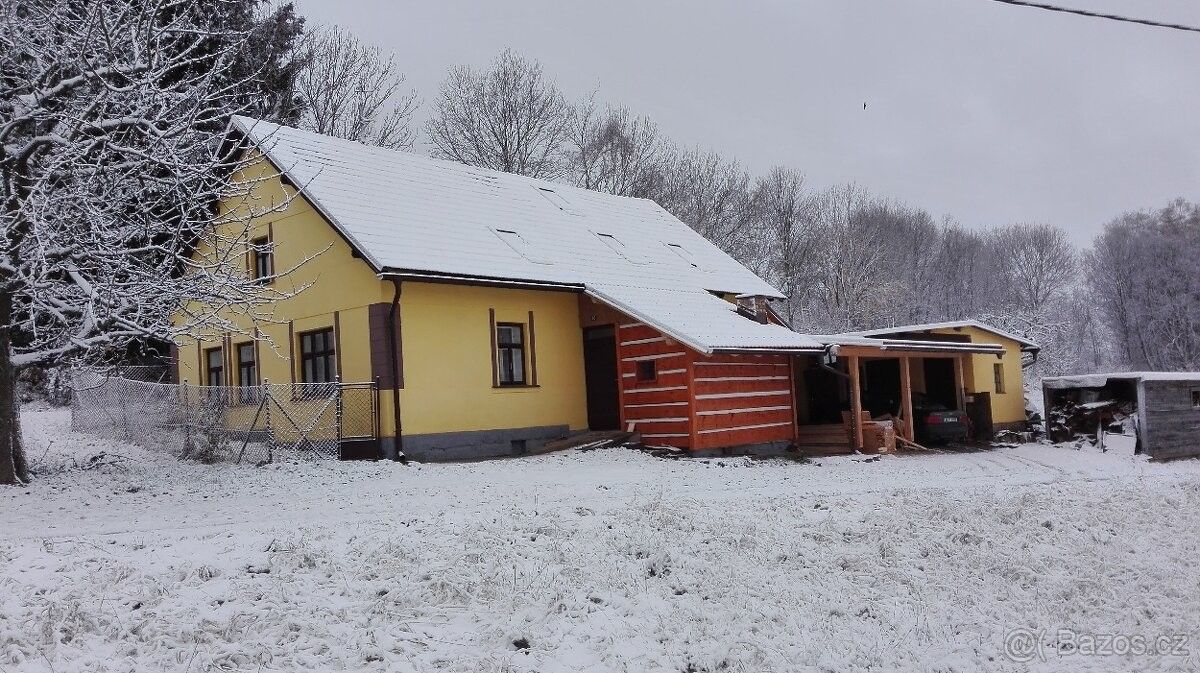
[660,408]
[741,400]
[695,401]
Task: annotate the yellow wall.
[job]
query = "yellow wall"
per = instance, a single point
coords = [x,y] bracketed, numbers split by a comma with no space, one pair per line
[335,281]
[445,334]
[1009,406]
[448,360]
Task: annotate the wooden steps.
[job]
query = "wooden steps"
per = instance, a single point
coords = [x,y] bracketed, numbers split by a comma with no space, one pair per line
[822,439]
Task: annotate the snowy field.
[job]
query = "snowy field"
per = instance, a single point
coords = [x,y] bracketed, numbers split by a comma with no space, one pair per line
[607,560]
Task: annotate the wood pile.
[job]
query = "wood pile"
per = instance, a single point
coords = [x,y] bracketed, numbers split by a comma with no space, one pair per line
[878,436]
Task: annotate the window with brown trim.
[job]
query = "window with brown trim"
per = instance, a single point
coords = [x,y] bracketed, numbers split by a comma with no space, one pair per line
[247,367]
[318,357]
[998,374]
[647,370]
[262,260]
[510,353]
[214,367]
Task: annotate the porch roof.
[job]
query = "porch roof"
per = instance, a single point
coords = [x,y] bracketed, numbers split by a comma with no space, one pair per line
[1026,344]
[910,345]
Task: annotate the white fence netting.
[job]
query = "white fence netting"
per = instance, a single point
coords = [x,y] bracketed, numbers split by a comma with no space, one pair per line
[256,424]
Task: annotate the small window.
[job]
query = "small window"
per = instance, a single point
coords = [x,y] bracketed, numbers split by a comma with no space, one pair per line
[262,260]
[998,374]
[510,353]
[647,370]
[214,361]
[318,362]
[247,367]
[1196,398]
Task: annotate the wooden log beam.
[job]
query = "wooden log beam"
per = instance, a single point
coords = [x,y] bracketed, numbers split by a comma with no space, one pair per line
[792,396]
[906,408]
[855,401]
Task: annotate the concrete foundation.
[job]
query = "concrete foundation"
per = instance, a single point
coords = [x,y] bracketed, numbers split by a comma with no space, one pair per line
[474,445]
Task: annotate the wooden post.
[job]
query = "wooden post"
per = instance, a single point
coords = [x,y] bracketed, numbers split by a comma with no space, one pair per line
[960,383]
[906,398]
[791,397]
[855,401]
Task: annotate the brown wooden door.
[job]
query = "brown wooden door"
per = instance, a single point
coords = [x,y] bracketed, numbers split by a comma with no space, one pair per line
[979,409]
[600,374]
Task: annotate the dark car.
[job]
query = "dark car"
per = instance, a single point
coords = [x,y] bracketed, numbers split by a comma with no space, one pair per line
[938,424]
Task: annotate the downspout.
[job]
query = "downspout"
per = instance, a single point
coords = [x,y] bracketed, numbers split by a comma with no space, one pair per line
[394,343]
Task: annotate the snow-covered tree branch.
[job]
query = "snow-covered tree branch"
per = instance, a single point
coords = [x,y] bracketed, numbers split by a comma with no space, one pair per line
[112,163]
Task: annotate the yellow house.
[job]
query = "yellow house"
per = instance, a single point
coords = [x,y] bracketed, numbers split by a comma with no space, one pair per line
[491,313]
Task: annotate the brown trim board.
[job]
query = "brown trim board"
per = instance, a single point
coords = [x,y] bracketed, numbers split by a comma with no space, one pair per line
[532,353]
[337,343]
[495,365]
[292,350]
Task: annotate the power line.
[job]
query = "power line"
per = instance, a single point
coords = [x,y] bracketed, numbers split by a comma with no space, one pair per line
[1099,15]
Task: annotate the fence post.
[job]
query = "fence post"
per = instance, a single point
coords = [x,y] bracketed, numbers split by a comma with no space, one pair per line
[337,403]
[375,406]
[187,419]
[125,414]
[266,393]
[75,409]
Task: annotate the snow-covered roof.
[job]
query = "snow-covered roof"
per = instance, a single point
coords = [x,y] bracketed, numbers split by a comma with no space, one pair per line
[1026,344]
[910,344]
[412,215]
[1101,380]
[701,319]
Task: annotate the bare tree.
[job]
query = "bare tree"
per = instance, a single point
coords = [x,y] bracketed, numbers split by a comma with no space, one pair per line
[510,117]
[1143,275]
[107,181]
[712,195]
[1035,267]
[351,90]
[1038,262]
[613,151]
[785,219]
[853,289]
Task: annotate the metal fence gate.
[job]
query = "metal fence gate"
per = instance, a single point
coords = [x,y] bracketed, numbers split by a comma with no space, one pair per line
[258,424]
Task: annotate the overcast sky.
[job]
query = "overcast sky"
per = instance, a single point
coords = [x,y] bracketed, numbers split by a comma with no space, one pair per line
[987,112]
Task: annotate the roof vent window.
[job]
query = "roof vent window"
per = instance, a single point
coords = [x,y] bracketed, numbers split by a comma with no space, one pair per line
[683,254]
[519,245]
[558,200]
[616,245]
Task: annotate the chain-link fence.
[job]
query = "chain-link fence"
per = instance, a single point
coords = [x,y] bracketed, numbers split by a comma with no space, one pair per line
[256,424]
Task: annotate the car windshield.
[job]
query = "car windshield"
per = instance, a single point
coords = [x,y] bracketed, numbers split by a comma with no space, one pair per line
[926,404]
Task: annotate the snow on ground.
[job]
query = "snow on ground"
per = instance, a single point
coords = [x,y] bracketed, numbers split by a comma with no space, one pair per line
[608,560]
